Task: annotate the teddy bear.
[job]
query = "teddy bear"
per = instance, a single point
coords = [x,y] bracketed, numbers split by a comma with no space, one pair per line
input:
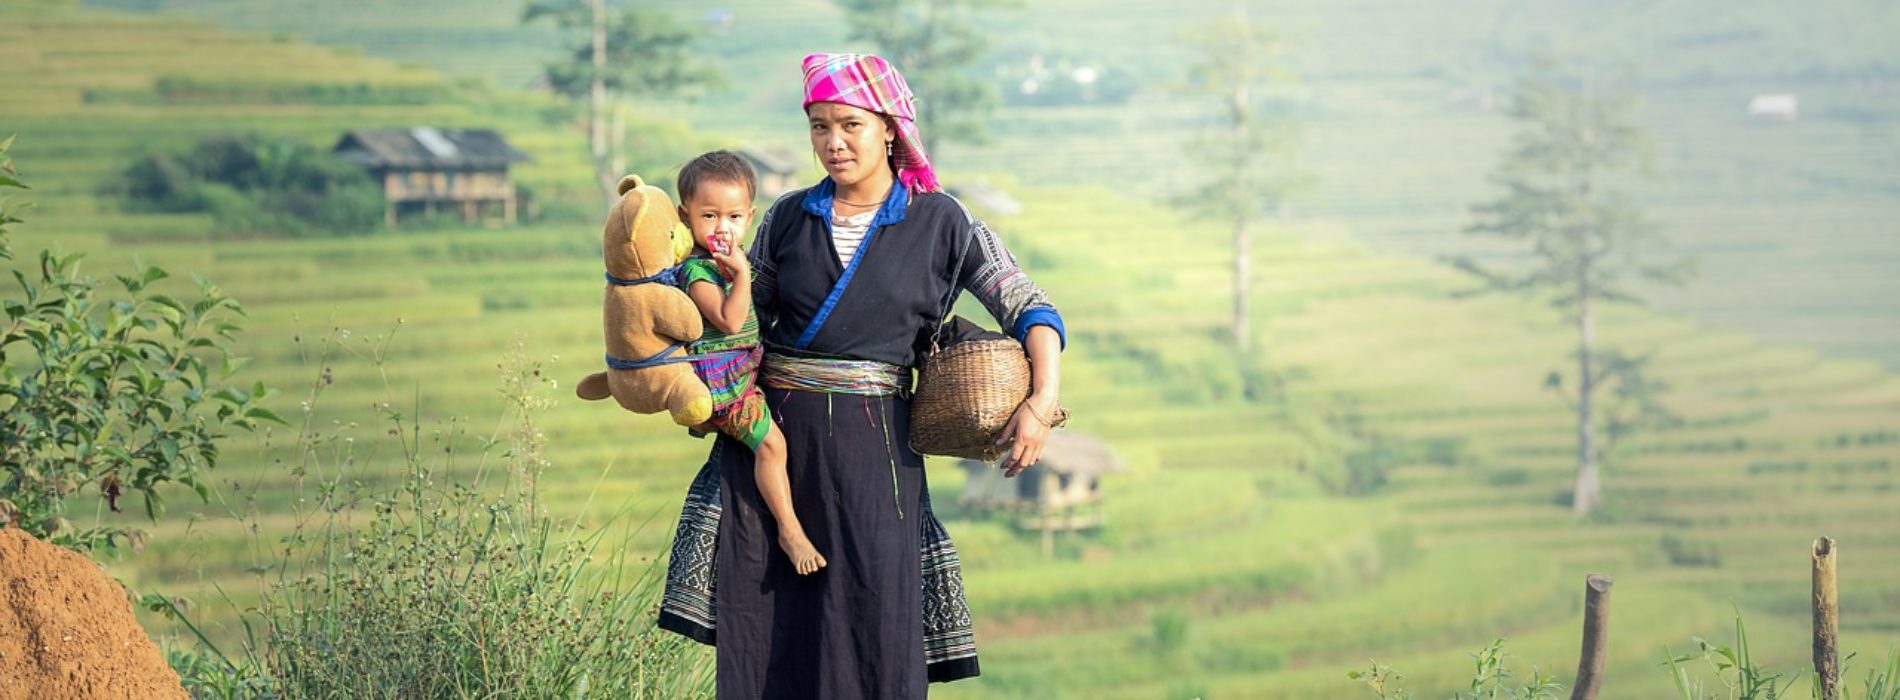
[647,319]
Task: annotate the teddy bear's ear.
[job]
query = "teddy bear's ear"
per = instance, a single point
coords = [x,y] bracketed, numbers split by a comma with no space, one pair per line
[630,182]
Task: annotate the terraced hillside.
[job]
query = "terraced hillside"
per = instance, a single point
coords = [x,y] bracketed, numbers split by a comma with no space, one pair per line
[89,91]
[1791,221]
[1280,586]
[1779,445]
[1227,568]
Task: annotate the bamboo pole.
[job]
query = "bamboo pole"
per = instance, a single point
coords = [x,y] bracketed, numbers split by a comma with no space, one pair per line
[1596,636]
[1827,623]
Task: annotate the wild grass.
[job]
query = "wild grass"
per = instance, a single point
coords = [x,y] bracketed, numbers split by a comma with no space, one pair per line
[436,587]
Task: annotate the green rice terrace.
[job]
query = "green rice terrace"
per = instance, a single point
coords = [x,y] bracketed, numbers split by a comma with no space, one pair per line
[1231,566]
[1790,220]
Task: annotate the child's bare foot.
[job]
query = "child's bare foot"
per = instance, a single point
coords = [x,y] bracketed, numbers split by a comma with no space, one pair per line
[805,558]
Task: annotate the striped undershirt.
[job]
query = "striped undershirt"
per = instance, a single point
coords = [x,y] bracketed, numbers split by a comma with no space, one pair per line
[847,233]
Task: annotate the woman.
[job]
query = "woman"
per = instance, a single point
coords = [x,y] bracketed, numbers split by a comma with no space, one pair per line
[850,279]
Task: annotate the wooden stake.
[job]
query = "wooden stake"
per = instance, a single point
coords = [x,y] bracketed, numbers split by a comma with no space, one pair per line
[1596,636]
[1827,622]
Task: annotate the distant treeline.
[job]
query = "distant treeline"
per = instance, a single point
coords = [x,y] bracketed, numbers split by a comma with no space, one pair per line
[250,184]
[176,89]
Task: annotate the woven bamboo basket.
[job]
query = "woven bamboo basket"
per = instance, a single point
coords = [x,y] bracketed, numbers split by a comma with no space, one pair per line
[966,394]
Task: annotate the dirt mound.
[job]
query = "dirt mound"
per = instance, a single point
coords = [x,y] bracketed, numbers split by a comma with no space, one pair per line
[67,630]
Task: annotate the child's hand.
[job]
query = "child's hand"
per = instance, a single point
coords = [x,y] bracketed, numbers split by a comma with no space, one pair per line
[732,261]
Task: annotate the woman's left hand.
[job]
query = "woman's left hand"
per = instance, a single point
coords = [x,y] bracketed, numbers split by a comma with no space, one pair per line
[1026,434]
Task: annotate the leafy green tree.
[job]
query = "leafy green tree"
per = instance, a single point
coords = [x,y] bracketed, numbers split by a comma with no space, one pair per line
[118,393]
[633,51]
[250,184]
[1586,239]
[934,42]
[1246,164]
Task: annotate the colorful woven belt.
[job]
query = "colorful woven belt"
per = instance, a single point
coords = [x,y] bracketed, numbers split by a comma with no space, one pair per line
[857,377]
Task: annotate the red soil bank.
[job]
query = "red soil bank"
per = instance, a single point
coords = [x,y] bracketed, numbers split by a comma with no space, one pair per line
[67,630]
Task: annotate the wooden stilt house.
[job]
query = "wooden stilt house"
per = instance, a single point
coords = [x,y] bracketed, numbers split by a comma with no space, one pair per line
[1062,493]
[424,170]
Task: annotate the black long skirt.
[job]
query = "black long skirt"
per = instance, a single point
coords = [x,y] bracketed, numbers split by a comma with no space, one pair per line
[884,618]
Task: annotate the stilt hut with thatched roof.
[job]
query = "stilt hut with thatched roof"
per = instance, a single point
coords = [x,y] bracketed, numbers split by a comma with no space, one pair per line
[1063,493]
[423,169]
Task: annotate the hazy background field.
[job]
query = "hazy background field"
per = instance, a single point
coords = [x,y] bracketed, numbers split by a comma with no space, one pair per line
[1228,569]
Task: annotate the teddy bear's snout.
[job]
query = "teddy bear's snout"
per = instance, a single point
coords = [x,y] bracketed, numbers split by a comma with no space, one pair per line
[682,243]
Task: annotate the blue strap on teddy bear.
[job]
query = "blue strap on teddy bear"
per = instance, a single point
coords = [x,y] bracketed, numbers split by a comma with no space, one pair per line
[663,357]
[669,277]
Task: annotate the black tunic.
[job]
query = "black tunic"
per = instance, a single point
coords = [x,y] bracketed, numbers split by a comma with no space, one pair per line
[901,275]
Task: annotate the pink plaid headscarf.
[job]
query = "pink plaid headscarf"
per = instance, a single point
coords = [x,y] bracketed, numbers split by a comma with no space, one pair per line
[869,82]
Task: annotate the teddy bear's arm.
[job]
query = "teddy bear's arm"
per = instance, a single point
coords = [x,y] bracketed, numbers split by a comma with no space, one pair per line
[674,316]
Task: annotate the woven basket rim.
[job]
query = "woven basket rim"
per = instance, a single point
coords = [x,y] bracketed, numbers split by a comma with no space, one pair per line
[969,346]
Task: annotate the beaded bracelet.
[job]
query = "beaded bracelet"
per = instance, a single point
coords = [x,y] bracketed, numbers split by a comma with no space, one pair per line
[1062,415]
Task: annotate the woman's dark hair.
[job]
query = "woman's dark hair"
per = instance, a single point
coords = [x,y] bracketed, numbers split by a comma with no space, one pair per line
[717,166]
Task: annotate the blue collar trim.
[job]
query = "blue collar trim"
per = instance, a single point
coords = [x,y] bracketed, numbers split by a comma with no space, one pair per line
[818,202]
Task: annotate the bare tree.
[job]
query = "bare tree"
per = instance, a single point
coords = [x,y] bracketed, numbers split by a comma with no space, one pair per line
[1586,240]
[628,52]
[934,42]
[1246,164]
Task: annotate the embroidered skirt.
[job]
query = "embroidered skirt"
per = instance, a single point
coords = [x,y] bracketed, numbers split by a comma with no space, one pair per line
[882,620]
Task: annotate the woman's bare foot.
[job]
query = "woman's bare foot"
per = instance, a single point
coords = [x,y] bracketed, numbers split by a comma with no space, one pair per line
[805,558]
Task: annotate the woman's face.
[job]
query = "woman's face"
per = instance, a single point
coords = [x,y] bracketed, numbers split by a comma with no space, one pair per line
[850,142]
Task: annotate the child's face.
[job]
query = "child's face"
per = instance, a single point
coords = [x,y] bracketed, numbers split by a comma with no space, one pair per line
[718,214]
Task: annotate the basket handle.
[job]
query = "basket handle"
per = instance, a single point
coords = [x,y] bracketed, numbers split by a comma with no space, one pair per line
[956,288]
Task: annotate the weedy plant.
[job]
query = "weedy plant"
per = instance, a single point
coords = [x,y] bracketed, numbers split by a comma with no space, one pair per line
[1740,678]
[118,392]
[1881,683]
[1491,679]
[442,586]
[1734,668]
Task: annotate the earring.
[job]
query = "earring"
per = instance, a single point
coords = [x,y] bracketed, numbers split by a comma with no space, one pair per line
[887,148]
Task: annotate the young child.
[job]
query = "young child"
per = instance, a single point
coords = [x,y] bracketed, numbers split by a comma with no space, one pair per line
[716,191]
